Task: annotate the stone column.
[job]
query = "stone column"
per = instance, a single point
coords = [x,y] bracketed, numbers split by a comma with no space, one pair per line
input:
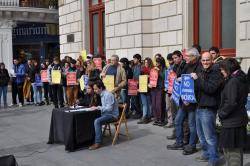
[6,47]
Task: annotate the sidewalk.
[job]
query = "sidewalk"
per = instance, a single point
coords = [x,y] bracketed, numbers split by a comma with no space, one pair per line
[24,133]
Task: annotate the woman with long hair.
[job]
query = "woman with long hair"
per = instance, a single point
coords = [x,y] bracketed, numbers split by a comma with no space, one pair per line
[232,112]
[145,96]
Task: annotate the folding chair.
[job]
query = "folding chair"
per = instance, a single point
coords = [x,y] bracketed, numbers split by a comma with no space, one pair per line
[117,124]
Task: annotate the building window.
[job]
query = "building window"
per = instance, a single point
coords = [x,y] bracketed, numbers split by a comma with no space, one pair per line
[215,25]
[97,27]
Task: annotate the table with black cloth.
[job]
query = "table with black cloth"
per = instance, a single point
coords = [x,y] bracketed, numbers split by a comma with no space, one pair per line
[73,129]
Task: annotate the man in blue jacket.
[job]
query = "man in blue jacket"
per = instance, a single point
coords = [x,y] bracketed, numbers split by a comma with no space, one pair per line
[18,80]
[109,111]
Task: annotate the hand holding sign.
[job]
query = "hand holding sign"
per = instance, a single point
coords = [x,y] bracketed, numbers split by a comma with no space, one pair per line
[187,89]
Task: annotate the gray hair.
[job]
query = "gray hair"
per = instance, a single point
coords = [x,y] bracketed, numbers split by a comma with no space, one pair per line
[193,52]
[115,56]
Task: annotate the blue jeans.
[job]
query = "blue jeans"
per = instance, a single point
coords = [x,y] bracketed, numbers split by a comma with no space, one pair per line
[98,126]
[206,122]
[37,90]
[179,119]
[3,91]
[146,105]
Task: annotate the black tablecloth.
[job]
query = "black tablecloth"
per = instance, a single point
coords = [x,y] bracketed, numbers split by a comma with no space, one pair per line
[73,129]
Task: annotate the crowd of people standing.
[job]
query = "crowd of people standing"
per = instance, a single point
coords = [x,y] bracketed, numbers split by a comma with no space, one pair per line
[220,86]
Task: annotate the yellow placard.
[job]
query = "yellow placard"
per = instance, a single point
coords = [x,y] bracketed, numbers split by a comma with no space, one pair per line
[56,76]
[109,82]
[84,55]
[81,81]
[143,83]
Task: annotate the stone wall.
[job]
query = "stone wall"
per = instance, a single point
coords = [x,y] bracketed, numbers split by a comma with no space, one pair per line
[243,32]
[146,27]
[70,22]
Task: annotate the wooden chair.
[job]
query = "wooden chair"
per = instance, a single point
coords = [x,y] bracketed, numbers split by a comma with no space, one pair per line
[122,119]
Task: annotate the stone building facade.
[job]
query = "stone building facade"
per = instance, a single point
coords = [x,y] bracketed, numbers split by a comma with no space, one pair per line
[146,27]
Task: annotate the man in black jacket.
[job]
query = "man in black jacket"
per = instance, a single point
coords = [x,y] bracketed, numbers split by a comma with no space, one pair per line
[207,84]
[187,109]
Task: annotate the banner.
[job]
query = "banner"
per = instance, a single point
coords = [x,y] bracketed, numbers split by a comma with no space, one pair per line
[109,82]
[71,78]
[143,83]
[56,76]
[176,92]
[44,76]
[153,77]
[38,81]
[187,88]
[132,87]
[84,80]
[98,63]
[171,77]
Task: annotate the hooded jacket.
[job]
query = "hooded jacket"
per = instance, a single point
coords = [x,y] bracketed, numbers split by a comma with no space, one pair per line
[232,111]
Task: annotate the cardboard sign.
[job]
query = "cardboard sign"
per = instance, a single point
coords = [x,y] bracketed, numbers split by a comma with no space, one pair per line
[71,78]
[176,92]
[84,80]
[187,88]
[132,87]
[153,77]
[84,55]
[171,77]
[44,76]
[143,83]
[98,63]
[38,81]
[109,82]
[56,76]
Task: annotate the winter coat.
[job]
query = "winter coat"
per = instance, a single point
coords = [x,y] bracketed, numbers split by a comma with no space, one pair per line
[232,111]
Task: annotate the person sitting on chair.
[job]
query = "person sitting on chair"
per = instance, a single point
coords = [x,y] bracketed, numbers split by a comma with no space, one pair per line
[109,112]
[90,98]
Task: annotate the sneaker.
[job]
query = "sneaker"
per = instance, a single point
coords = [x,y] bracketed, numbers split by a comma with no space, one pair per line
[72,107]
[20,104]
[201,159]
[11,105]
[160,124]
[175,146]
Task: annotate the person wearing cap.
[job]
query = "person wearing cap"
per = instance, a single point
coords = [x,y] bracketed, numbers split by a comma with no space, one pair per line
[89,57]
[187,109]
[115,69]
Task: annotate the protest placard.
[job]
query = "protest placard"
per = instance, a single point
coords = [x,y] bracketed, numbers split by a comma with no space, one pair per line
[132,87]
[71,78]
[187,88]
[98,63]
[143,83]
[56,76]
[171,78]
[153,77]
[109,82]
[44,76]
